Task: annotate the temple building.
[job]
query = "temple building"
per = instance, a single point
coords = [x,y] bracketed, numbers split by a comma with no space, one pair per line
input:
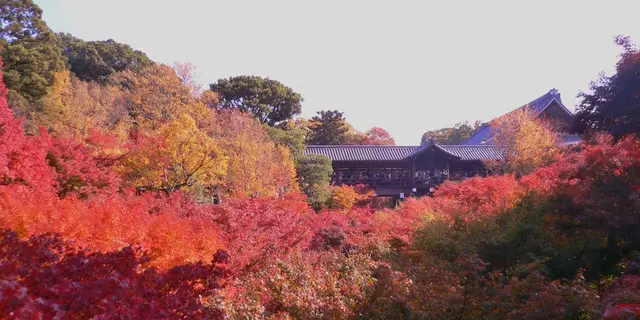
[549,106]
[400,171]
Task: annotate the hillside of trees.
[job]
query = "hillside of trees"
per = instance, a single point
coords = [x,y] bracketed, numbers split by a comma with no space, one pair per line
[128,191]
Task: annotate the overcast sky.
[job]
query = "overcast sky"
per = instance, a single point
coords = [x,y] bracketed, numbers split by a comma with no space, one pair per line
[406,66]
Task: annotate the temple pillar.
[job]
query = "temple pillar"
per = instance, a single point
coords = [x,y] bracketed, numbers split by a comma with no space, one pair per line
[412,175]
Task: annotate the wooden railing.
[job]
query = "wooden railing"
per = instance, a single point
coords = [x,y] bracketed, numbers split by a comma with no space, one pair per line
[401,178]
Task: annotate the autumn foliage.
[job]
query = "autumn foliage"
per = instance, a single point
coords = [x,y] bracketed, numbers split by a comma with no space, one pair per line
[72,108]
[45,277]
[476,197]
[375,136]
[21,156]
[257,166]
[140,196]
[255,230]
[107,212]
[529,140]
[68,187]
[178,156]
[345,197]
[105,223]
[85,167]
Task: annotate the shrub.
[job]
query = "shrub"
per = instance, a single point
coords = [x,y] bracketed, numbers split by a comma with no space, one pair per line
[46,277]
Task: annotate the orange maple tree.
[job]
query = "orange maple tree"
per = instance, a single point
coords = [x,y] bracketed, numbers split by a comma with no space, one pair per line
[378,136]
[36,171]
[345,197]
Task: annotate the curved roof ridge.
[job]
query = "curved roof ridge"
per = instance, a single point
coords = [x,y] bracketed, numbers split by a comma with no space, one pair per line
[446,151]
[355,146]
[469,145]
[350,153]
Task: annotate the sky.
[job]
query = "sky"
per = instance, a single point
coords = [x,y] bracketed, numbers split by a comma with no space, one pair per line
[406,66]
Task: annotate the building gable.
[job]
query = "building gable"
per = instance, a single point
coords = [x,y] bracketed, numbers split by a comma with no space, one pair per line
[549,106]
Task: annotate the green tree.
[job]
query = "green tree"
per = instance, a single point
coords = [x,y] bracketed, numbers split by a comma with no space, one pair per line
[31,57]
[288,135]
[98,60]
[329,128]
[455,135]
[613,105]
[314,175]
[270,101]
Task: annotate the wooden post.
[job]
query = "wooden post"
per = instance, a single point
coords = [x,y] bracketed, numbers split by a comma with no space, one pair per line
[218,196]
[448,172]
[412,176]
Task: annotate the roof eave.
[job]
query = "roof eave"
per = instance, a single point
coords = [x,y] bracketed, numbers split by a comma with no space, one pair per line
[559,103]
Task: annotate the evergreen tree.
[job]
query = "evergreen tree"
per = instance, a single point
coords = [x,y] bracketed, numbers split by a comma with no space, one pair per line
[329,128]
[270,101]
[28,49]
[98,60]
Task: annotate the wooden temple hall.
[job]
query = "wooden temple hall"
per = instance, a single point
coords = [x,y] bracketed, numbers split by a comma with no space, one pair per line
[402,171]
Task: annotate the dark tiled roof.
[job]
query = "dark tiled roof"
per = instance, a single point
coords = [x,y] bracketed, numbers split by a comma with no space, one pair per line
[483,133]
[394,153]
[470,153]
[466,152]
[362,153]
[539,104]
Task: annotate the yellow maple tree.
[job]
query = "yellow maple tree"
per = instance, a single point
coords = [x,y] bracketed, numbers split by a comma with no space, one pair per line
[528,141]
[257,166]
[71,107]
[156,95]
[178,156]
